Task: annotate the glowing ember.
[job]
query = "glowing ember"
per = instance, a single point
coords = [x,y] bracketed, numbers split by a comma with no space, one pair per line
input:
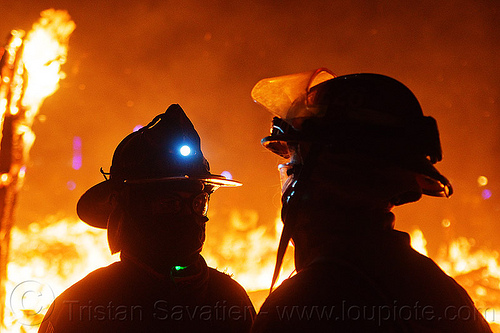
[482,181]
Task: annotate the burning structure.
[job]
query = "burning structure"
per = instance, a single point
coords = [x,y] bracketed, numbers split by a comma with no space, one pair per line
[30,71]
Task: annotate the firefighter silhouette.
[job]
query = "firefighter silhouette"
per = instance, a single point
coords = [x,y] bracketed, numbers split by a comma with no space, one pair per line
[154,205]
[355,146]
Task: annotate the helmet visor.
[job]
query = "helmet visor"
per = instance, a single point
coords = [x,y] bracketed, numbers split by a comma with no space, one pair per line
[287,97]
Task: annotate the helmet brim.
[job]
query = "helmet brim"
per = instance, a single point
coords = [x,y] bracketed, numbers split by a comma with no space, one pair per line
[94,206]
[279,144]
[432,182]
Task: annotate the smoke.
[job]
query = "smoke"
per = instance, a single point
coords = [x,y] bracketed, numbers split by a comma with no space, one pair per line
[129,60]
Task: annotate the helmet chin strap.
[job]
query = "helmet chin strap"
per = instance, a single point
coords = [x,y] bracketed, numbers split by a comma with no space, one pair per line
[286,235]
[289,208]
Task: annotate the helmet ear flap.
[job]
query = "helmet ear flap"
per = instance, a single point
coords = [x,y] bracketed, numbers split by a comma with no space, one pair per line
[426,130]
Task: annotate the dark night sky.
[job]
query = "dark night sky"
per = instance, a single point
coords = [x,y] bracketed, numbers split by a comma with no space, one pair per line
[128,61]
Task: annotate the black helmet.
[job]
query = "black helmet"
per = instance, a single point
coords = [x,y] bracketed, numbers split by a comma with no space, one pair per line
[166,150]
[370,114]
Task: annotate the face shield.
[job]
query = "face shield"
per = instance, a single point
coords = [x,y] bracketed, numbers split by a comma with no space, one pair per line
[289,97]
[290,100]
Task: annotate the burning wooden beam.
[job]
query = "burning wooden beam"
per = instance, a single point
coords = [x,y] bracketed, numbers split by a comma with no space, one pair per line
[29,72]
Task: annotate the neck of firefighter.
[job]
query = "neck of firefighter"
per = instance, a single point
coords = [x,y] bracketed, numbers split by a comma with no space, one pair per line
[318,228]
[341,197]
[162,249]
[158,242]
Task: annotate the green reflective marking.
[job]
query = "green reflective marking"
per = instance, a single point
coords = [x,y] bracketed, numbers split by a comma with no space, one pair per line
[179,268]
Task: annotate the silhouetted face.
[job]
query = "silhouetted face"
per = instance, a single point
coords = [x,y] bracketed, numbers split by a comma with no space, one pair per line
[169,222]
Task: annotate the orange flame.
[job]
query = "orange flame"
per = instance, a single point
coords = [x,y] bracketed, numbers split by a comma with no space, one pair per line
[45,50]
[475,269]
[32,73]
[52,256]
[247,251]
[59,253]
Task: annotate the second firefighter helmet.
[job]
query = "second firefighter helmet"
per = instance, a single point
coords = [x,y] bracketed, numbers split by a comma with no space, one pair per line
[166,150]
[368,114]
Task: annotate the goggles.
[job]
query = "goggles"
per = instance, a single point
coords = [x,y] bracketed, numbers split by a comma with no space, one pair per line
[173,203]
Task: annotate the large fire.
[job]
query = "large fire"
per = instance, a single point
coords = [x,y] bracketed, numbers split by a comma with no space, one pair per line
[30,71]
[52,255]
[474,268]
[49,256]
[45,259]
[37,76]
